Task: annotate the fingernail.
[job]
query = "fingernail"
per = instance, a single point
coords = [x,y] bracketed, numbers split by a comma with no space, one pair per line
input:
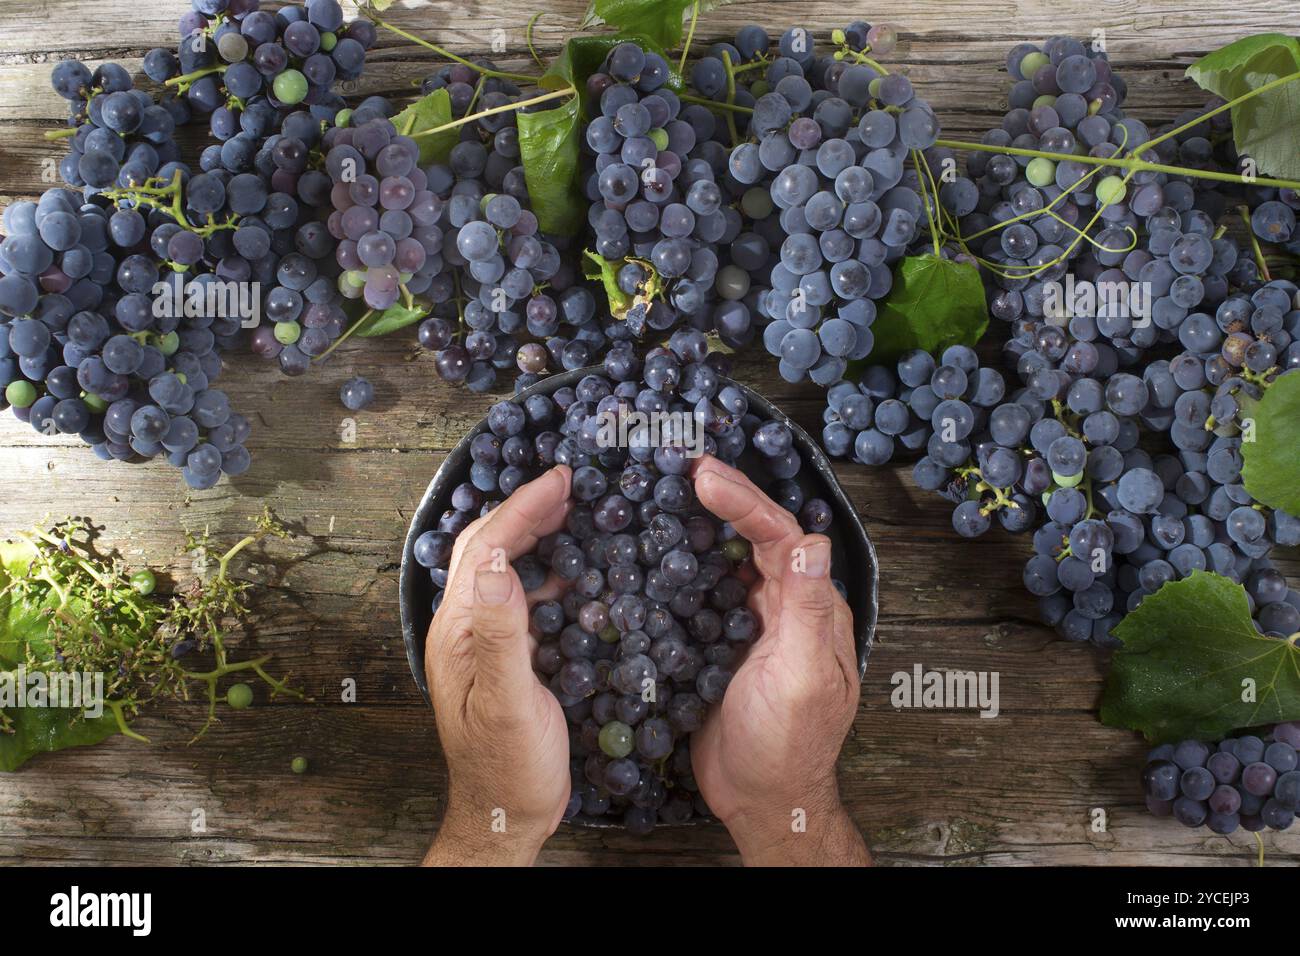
[492,587]
[817,559]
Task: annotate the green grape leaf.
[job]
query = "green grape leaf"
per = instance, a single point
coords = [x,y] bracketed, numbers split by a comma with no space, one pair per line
[1265,127]
[426,113]
[390,320]
[1269,451]
[934,303]
[34,730]
[662,21]
[1194,667]
[582,56]
[549,147]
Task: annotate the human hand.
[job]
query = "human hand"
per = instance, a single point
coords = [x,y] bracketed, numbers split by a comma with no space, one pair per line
[769,750]
[502,732]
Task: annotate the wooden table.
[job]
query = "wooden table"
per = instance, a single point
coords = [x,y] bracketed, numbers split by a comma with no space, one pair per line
[926,787]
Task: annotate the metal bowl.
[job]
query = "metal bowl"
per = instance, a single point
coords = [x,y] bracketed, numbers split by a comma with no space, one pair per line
[853,558]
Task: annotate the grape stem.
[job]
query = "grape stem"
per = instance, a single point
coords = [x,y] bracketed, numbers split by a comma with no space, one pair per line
[153,196]
[731,97]
[374,18]
[54,134]
[1130,163]
[186,80]
[346,333]
[1244,212]
[478,91]
[713,104]
[1134,164]
[528,38]
[919,163]
[845,52]
[504,108]
[690,35]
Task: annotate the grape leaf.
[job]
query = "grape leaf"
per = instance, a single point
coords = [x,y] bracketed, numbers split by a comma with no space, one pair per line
[549,149]
[1265,127]
[657,20]
[934,303]
[390,320]
[1271,469]
[22,626]
[429,112]
[1187,650]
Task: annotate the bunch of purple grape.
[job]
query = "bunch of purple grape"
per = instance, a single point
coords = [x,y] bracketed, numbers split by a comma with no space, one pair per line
[833,200]
[101,354]
[239,65]
[1246,782]
[498,280]
[654,620]
[1120,453]
[117,302]
[658,208]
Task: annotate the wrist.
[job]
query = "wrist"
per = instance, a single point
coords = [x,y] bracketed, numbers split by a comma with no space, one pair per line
[475,834]
[811,830]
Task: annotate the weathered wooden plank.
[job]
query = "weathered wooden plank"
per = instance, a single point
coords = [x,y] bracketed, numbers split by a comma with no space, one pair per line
[928,787]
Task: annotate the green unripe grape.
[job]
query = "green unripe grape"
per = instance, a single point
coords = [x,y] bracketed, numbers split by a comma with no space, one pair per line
[1047,99]
[343,117]
[239,696]
[1032,63]
[837,36]
[144,582]
[1041,171]
[756,203]
[355,278]
[20,393]
[180,377]
[1067,482]
[298,765]
[616,739]
[1111,190]
[660,138]
[290,87]
[169,343]
[328,41]
[609,634]
[873,88]
[732,282]
[94,402]
[759,87]
[286,333]
[735,549]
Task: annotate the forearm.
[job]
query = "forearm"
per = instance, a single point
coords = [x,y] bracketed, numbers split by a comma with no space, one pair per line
[475,837]
[820,834]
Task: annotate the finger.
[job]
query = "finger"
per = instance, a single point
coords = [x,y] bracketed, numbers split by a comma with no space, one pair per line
[808,600]
[768,527]
[553,589]
[535,510]
[499,625]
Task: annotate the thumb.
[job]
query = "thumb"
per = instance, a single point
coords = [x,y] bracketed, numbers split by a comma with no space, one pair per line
[500,632]
[807,596]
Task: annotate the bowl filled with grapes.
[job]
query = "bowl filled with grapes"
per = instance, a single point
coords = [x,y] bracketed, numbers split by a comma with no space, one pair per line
[657,584]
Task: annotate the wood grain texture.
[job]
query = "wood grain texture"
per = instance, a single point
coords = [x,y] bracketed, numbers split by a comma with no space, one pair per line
[927,787]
